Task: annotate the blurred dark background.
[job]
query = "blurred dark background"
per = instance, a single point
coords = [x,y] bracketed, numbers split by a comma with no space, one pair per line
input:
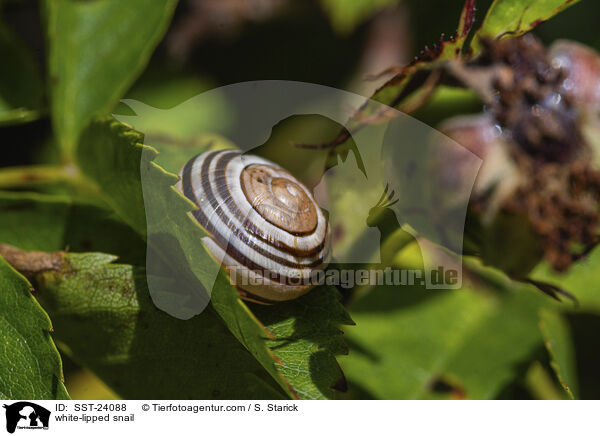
[335,43]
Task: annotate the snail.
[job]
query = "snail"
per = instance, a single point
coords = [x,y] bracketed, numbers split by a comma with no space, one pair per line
[264,225]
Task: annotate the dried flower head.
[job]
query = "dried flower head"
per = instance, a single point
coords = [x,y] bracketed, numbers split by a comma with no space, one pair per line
[549,178]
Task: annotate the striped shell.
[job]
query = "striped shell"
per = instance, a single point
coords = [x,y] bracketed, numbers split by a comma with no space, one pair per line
[264,225]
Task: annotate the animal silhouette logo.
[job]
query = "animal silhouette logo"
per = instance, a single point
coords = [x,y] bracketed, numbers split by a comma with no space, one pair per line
[26,415]
[397,155]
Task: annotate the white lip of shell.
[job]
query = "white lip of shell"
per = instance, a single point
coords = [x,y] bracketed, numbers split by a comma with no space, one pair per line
[232,176]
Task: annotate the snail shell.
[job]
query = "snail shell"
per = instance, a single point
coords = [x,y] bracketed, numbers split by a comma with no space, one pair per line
[265,226]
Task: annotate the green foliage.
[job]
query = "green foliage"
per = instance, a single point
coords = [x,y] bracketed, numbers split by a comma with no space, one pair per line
[114,193]
[110,156]
[104,318]
[405,338]
[581,280]
[409,340]
[498,350]
[92,61]
[296,341]
[516,17]
[62,224]
[30,366]
[559,344]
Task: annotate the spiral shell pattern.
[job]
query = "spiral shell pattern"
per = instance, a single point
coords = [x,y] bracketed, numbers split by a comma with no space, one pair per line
[265,227]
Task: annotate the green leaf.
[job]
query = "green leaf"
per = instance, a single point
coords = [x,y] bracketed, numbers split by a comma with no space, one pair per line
[393,92]
[96,50]
[297,341]
[21,86]
[516,17]
[179,132]
[494,354]
[580,280]
[105,320]
[406,337]
[114,157]
[54,223]
[110,156]
[307,339]
[559,344]
[409,340]
[541,383]
[30,367]
[171,115]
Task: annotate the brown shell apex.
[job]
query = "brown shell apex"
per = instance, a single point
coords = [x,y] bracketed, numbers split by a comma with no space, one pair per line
[278,197]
